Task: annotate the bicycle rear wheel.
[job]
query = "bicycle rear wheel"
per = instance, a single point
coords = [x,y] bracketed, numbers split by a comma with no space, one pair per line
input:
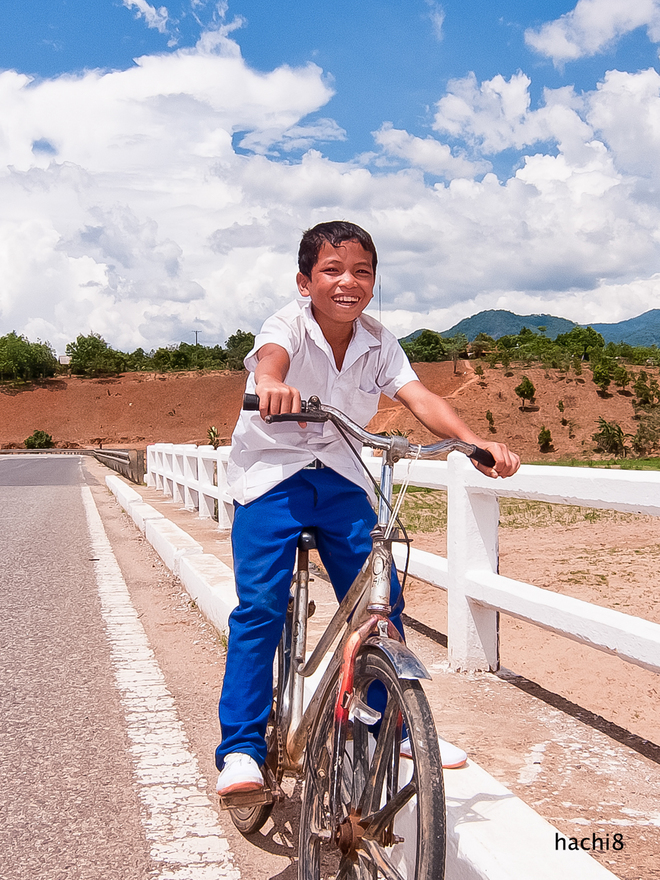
[392,821]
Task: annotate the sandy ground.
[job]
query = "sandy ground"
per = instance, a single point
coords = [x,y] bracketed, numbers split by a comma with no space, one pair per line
[140,408]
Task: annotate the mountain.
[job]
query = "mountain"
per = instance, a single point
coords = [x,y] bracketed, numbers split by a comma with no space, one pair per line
[642,330]
[498,322]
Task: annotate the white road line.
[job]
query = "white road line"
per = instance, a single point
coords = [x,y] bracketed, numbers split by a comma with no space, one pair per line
[181,825]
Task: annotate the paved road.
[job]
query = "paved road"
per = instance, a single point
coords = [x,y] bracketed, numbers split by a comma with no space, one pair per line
[85,717]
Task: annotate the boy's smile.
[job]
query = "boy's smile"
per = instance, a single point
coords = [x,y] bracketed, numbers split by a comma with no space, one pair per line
[341,286]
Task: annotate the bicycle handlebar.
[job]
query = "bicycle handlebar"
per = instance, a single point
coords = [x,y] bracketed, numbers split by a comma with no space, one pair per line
[313,410]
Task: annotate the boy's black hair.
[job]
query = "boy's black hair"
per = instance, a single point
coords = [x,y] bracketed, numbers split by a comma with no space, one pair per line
[336,232]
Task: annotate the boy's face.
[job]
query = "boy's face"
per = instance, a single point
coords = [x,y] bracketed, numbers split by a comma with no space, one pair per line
[342,283]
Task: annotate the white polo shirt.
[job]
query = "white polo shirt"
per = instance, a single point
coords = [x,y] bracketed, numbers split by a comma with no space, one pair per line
[263,455]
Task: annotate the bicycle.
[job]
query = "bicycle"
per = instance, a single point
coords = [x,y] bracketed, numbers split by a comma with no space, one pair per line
[367,811]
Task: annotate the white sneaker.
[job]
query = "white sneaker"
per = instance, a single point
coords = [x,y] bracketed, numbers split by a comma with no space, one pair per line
[450,755]
[240,773]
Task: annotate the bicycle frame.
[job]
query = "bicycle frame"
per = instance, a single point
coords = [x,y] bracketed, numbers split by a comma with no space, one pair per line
[367,603]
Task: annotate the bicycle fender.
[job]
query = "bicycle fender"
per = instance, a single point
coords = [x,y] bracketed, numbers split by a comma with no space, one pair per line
[405,663]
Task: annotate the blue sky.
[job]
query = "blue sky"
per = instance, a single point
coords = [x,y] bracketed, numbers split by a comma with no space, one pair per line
[503,154]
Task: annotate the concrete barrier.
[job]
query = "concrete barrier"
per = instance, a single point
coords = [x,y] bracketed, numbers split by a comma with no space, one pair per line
[211,584]
[170,542]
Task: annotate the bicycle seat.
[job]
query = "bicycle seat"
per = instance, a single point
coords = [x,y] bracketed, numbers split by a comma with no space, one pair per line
[307,540]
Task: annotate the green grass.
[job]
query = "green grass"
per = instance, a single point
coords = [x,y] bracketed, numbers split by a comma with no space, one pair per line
[425,510]
[624,464]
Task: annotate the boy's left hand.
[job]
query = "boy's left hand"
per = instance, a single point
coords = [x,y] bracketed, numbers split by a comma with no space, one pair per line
[506,461]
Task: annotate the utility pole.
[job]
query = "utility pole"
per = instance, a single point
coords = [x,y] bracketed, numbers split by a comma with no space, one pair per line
[196,332]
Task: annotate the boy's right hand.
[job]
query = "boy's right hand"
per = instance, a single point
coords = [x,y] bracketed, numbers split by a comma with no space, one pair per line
[275,396]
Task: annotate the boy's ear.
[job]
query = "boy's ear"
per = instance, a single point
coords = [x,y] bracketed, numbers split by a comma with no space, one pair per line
[303,283]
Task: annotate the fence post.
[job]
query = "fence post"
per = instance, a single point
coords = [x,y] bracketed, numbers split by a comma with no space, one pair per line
[472,543]
[190,476]
[205,471]
[225,506]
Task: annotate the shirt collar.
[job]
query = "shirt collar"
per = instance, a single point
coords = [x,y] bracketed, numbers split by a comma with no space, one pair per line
[361,341]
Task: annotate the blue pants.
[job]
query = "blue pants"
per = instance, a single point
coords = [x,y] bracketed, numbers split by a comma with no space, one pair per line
[264,539]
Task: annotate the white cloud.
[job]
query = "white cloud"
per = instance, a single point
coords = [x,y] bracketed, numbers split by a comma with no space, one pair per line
[155,18]
[126,209]
[592,26]
[428,154]
[437,16]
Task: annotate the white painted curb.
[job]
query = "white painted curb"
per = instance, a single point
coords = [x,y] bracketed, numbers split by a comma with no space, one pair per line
[491,833]
[211,584]
[170,542]
[141,513]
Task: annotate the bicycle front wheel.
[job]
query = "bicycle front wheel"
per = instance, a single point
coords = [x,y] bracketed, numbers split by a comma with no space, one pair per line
[392,812]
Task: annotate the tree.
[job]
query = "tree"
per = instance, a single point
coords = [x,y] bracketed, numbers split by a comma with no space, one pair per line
[481,344]
[22,359]
[426,348]
[456,346]
[526,390]
[583,342]
[238,346]
[92,356]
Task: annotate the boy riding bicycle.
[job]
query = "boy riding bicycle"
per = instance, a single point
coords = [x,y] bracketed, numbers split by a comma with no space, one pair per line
[285,477]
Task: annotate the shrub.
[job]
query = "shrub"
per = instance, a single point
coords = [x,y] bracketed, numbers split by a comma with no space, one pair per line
[610,437]
[214,437]
[39,440]
[621,377]
[545,439]
[491,421]
[643,392]
[645,439]
[601,376]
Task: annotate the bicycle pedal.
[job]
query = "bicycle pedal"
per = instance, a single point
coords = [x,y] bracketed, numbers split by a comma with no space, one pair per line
[238,799]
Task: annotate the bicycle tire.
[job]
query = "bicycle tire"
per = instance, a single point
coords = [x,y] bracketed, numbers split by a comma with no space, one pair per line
[249,820]
[412,843]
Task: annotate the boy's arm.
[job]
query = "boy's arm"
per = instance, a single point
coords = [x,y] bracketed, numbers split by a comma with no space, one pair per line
[275,396]
[437,415]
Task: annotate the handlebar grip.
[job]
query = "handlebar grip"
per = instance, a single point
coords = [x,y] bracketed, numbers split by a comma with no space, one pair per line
[251,402]
[483,456]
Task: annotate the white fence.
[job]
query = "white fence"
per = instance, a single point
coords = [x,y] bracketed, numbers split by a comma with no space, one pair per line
[476,593]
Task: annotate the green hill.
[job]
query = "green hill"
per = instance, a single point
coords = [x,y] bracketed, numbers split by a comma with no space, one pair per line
[499,322]
[642,330]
